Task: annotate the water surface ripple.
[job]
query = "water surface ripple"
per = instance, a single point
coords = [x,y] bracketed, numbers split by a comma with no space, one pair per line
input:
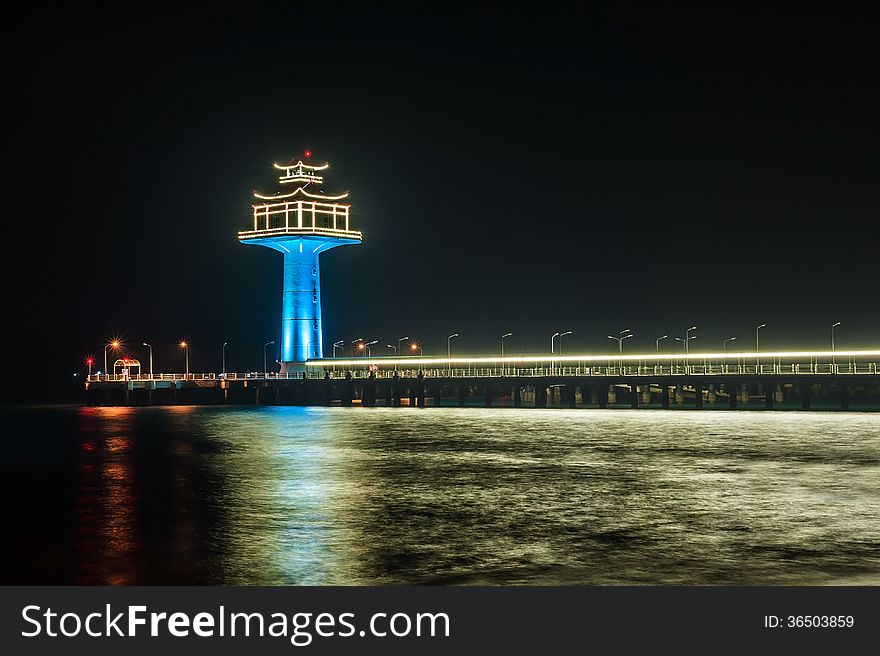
[286,495]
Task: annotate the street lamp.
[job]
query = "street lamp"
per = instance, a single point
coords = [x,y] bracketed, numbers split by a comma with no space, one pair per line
[151,358]
[90,361]
[833,358]
[505,335]
[185,348]
[114,345]
[399,344]
[658,340]
[265,366]
[688,338]
[624,334]
[223,354]
[724,343]
[367,347]
[337,345]
[758,349]
[449,350]
[449,345]
[685,341]
[560,340]
[416,347]
[502,342]
[360,345]
[554,336]
[392,346]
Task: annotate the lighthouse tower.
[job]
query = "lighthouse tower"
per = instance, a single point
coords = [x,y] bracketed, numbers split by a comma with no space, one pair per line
[301,222]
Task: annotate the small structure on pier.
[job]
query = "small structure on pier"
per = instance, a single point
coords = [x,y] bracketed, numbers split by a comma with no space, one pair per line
[123,367]
[301,221]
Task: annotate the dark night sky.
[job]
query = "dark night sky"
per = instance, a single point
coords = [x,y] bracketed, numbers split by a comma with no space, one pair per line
[591,170]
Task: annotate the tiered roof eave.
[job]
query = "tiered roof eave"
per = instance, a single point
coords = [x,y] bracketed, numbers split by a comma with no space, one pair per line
[302,191]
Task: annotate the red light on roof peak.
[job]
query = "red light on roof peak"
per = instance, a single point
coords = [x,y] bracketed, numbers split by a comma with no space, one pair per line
[308,153]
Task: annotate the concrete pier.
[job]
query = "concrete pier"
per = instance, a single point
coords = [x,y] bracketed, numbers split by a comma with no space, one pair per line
[821,392]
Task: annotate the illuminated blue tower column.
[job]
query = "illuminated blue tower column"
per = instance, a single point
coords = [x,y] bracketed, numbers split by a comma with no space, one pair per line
[301,224]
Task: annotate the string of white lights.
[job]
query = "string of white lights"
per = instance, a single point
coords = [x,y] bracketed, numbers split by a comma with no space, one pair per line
[630,357]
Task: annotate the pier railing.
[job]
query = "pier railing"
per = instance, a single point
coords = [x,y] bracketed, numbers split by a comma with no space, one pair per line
[617,370]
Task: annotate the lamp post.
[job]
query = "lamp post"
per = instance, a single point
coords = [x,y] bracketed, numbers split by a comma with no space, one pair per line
[688,338]
[833,358]
[560,340]
[265,365]
[392,346]
[337,345]
[622,335]
[449,350]
[367,347]
[416,347]
[758,349]
[505,335]
[400,344]
[724,348]
[114,345]
[658,340]
[554,336]
[503,368]
[185,348]
[360,345]
[449,345]
[223,358]
[684,341]
[151,359]
[90,362]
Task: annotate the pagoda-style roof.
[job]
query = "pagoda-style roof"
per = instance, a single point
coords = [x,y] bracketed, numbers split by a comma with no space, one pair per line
[301,165]
[301,172]
[299,190]
[300,214]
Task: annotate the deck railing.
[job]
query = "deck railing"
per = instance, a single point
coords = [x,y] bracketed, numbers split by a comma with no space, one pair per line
[300,217]
[615,370]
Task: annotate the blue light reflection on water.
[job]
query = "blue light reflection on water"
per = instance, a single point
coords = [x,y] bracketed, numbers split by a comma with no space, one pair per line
[284,495]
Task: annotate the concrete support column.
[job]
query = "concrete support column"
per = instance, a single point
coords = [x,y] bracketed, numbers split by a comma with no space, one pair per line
[698,396]
[732,395]
[634,397]
[665,396]
[325,390]
[396,390]
[769,394]
[420,391]
[369,395]
[517,394]
[487,395]
[602,396]
[806,392]
[462,390]
[541,394]
[570,396]
[346,390]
